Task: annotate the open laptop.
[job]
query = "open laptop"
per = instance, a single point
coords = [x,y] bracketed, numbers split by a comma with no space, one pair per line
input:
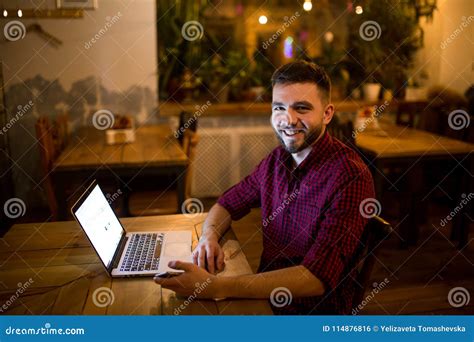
[128,254]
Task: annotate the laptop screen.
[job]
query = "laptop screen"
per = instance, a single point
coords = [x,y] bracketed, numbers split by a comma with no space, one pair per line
[100,224]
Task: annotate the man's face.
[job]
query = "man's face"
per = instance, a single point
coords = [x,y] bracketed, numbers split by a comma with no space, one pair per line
[298,115]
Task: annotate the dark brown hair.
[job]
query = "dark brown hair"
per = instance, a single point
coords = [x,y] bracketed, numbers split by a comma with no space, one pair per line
[304,72]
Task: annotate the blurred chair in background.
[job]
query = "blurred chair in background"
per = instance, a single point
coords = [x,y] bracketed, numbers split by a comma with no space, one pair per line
[342,130]
[435,118]
[187,122]
[52,139]
[408,112]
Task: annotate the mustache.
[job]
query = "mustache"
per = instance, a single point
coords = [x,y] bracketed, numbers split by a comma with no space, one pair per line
[281,127]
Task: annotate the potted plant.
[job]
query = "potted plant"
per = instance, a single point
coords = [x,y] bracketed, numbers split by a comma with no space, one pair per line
[335,64]
[261,74]
[383,40]
[224,75]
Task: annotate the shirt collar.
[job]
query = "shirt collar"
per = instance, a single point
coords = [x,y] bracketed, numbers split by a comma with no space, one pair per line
[316,156]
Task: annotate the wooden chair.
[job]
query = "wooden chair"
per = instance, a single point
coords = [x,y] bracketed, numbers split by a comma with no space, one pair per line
[187,122]
[150,203]
[376,230]
[342,130]
[408,111]
[51,141]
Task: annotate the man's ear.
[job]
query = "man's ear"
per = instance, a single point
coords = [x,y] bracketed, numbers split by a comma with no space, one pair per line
[328,113]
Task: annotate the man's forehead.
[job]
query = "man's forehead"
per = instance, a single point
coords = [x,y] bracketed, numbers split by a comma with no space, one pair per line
[295,92]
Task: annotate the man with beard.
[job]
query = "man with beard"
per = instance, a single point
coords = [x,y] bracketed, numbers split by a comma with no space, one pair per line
[309,189]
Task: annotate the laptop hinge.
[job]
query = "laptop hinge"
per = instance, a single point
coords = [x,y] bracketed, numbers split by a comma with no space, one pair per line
[118,253]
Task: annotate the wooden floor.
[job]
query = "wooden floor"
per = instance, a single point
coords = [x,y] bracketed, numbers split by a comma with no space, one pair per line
[420,277]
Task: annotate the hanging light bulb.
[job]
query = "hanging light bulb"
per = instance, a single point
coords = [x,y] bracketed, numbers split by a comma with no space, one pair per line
[5,13]
[359,10]
[20,13]
[308,5]
[263,19]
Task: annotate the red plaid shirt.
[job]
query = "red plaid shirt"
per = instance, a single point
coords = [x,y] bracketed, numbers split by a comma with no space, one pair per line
[310,217]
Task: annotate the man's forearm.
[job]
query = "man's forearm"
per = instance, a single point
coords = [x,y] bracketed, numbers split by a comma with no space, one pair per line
[217,222]
[298,279]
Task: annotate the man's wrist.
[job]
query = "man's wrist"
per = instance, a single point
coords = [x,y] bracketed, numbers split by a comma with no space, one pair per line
[209,233]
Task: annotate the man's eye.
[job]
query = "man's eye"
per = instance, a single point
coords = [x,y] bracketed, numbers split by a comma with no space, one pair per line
[302,109]
[278,109]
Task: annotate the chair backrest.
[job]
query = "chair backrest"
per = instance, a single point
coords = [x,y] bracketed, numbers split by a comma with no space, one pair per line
[376,230]
[60,133]
[44,134]
[190,141]
[342,130]
[51,141]
[187,123]
[407,111]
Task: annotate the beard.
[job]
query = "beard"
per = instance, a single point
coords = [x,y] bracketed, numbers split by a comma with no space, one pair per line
[310,136]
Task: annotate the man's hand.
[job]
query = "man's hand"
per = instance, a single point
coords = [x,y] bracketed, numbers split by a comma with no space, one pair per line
[194,281]
[209,253]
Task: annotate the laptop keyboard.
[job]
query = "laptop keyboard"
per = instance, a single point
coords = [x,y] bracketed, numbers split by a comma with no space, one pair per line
[143,253]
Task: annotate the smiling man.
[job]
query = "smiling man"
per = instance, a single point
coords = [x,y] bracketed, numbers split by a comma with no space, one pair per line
[309,190]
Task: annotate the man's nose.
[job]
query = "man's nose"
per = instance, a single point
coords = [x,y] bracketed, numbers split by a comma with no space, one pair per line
[292,117]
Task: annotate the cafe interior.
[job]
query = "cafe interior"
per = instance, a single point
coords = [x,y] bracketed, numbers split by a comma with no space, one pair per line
[166,104]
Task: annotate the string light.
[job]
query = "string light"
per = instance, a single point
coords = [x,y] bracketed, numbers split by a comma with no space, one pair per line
[359,10]
[263,19]
[288,47]
[20,13]
[329,36]
[5,13]
[308,5]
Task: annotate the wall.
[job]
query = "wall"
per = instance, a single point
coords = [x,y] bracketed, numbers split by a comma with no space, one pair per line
[107,60]
[449,61]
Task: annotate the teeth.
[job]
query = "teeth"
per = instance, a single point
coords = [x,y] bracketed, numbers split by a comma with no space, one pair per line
[291,133]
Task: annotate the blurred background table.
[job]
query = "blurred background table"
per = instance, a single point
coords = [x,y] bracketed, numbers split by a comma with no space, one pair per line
[413,152]
[154,152]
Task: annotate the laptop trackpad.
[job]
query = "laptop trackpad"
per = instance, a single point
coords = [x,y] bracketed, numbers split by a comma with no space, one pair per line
[176,250]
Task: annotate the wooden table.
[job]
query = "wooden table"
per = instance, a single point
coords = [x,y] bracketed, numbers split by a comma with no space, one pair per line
[65,271]
[411,150]
[155,152]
